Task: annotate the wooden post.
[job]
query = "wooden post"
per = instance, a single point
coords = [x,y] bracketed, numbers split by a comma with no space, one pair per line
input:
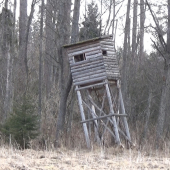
[83,118]
[123,112]
[112,112]
[96,128]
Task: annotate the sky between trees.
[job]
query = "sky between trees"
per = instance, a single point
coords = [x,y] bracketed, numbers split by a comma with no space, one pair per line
[120,17]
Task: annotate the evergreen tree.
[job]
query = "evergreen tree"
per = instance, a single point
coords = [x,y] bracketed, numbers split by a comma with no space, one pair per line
[91,23]
[22,124]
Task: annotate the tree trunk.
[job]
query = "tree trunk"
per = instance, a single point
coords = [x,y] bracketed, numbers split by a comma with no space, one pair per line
[134,45]
[24,28]
[142,21]
[106,30]
[163,105]
[165,88]
[113,23]
[125,53]
[148,112]
[40,59]
[75,27]
[27,35]
[50,45]
[66,89]
[7,107]
[22,40]
[8,50]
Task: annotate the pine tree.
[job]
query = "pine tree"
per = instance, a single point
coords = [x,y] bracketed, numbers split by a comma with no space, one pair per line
[91,24]
[22,124]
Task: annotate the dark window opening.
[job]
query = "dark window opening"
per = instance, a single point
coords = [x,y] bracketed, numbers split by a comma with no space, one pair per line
[80,57]
[104,52]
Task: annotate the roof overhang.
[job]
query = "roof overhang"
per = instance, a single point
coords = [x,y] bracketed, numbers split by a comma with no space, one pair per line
[88,41]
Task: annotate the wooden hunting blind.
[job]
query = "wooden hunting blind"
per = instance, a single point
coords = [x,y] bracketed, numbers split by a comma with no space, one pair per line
[96,78]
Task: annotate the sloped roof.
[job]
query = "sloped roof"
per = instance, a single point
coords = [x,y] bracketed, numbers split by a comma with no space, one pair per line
[87,41]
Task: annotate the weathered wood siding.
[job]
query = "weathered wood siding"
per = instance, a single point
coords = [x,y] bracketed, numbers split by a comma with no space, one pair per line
[90,70]
[96,67]
[110,60]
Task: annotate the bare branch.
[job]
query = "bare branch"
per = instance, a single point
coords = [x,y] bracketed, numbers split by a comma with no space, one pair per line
[158,49]
[158,30]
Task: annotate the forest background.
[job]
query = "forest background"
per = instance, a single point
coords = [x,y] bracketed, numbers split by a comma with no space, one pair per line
[36,92]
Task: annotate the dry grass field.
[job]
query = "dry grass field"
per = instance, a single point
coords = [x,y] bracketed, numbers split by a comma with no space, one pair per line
[96,159]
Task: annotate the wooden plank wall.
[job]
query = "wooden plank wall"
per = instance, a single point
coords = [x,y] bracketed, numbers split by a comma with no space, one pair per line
[96,67]
[110,61]
[90,70]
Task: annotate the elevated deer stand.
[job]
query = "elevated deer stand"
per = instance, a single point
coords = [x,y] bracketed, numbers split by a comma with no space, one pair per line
[96,78]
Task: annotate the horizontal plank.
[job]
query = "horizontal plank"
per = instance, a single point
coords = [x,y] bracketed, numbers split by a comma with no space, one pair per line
[87,67]
[112,70]
[113,78]
[107,46]
[89,77]
[111,64]
[111,53]
[90,86]
[112,74]
[110,61]
[84,62]
[89,63]
[104,117]
[106,43]
[94,69]
[90,81]
[96,56]
[78,75]
[93,52]
[84,51]
[108,49]
[110,57]
[83,46]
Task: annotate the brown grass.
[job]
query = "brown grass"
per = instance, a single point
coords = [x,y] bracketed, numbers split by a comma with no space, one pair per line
[96,159]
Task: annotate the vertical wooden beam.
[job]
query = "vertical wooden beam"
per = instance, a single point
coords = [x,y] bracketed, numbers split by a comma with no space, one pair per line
[112,112]
[96,128]
[123,112]
[83,117]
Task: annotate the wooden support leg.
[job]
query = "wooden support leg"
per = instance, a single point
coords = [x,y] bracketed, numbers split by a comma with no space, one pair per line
[96,128]
[83,118]
[112,112]
[124,118]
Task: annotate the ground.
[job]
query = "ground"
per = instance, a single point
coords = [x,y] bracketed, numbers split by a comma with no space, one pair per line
[78,159]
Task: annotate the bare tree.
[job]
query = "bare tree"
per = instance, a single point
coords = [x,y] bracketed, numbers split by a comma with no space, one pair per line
[22,37]
[50,45]
[142,21]
[126,52]
[40,57]
[75,27]
[166,84]
[66,89]
[24,29]
[8,37]
[134,30]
